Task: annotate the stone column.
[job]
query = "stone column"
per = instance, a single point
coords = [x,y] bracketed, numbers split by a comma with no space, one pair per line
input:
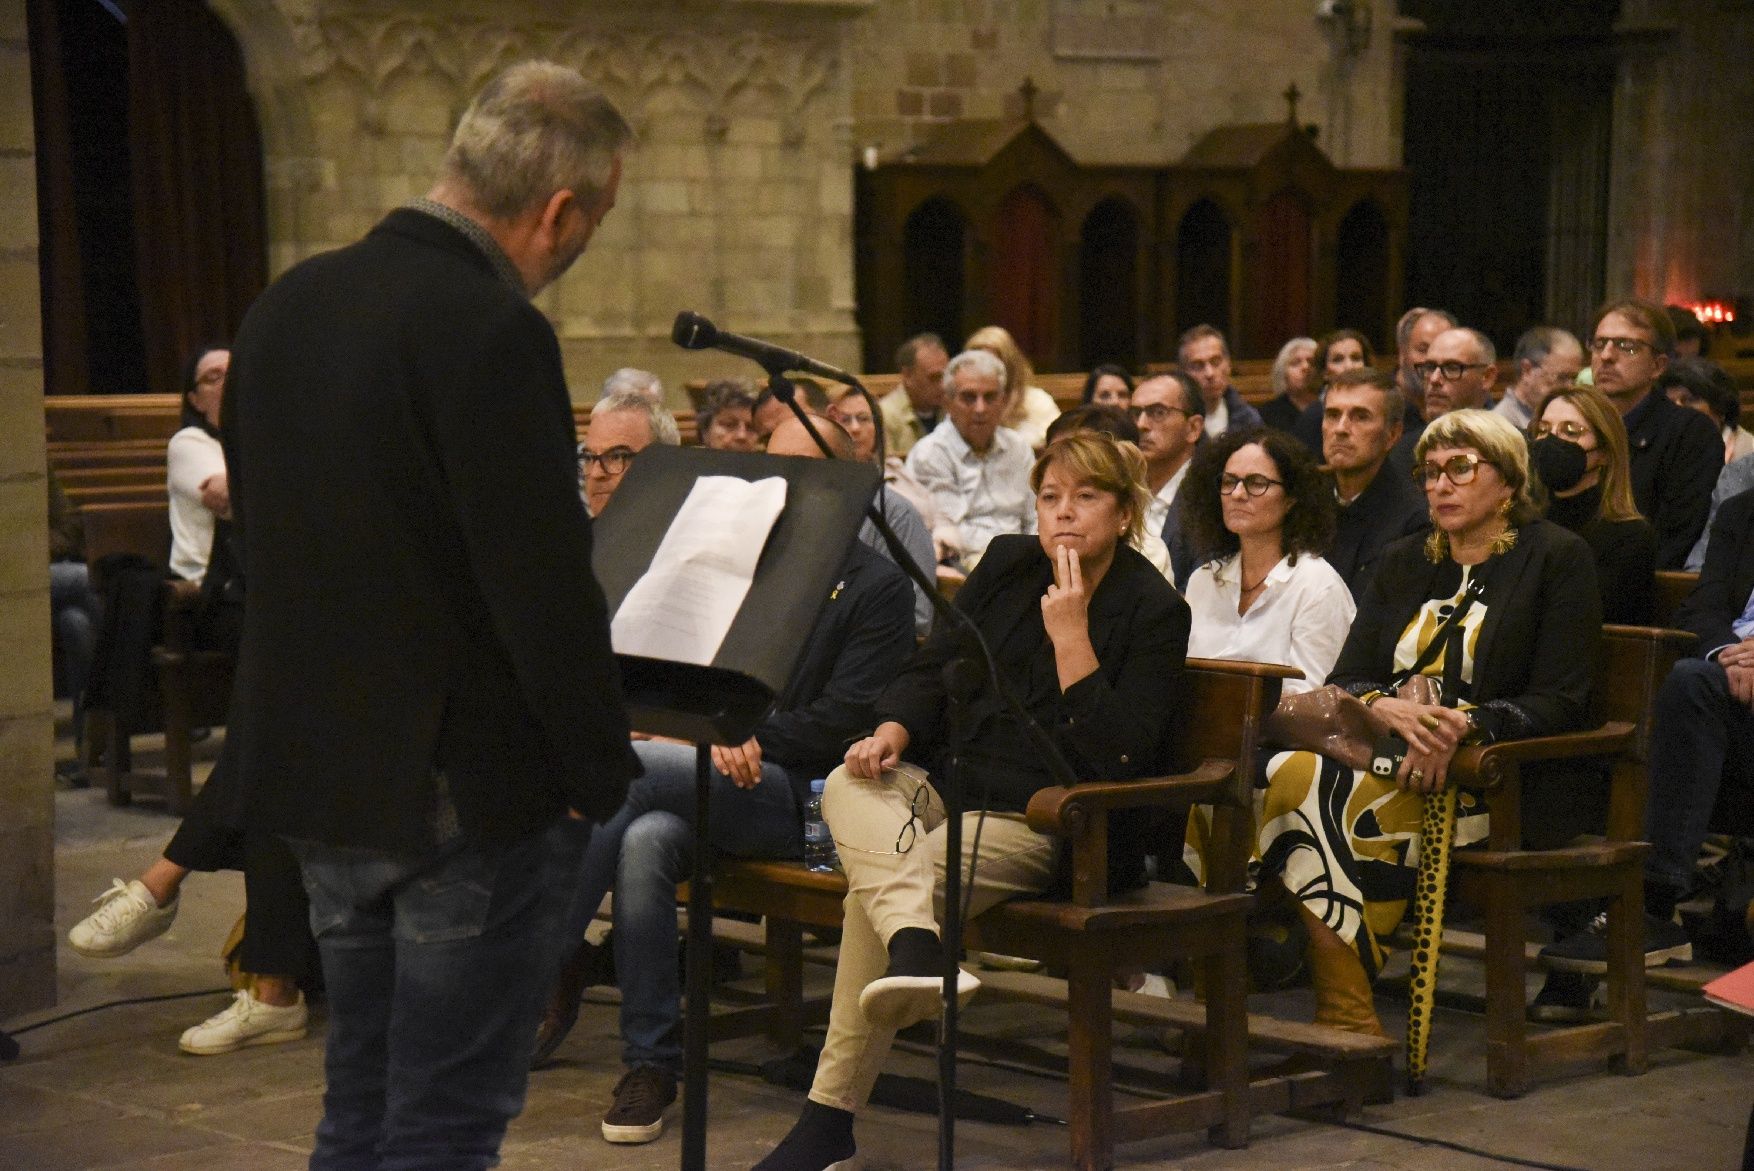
[27,775]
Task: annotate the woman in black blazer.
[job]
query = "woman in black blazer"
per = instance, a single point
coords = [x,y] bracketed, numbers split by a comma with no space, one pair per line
[1343,841]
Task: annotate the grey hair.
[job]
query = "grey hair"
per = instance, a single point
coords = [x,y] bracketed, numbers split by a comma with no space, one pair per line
[982,362]
[1412,317]
[657,416]
[537,128]
[1488,351]
[1284,359]
[632,380]
[1536,343]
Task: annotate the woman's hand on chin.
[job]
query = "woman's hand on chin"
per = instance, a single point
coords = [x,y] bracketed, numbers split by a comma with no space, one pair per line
[1065,608]
[880,751]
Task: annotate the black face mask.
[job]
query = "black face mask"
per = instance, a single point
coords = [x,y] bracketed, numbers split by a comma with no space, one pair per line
[1559,462]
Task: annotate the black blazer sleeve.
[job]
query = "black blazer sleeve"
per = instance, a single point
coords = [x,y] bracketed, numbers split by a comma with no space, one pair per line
[1694,459]
[1725,580]
[1626,568]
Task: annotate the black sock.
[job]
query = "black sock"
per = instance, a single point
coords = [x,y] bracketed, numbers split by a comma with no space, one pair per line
[821,1137]
[1660,899]
[915,951]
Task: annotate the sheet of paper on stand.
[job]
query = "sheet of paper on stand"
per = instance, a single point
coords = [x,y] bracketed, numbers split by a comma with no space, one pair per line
[683,605]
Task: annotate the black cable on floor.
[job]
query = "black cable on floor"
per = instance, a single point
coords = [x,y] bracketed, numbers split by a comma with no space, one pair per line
[1463,1148]
[125,1001]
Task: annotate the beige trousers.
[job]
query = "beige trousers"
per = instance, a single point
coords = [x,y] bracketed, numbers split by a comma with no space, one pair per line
[890,888]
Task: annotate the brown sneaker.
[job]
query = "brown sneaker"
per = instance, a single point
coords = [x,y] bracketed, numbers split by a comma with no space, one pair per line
[562,1010]
[641,1097]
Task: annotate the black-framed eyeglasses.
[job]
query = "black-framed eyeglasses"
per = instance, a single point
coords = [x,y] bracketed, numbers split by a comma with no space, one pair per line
[1450,370]
[916,808]
[1569,430]
[1629,346]
[1254,484]
[1461,469]
[1156,412]
[614,461]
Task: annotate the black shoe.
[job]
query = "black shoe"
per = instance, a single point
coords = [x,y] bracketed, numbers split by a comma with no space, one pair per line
[641,1097]
[821,1140]
[1567,998]
[1587,950]
[580,972]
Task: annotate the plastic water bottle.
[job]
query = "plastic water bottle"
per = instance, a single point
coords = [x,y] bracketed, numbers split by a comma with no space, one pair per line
[819,852]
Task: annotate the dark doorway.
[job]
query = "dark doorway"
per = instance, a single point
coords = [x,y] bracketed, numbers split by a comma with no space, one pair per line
[1202,268]
[1108,285]
[1279,307]
[933,243]
[1024,289]
[1362,273]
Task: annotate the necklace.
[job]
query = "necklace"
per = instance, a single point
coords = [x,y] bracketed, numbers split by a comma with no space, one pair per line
[1249,589]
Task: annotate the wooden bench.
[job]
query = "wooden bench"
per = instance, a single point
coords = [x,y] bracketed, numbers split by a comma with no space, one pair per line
[1092,937]
[1673,586]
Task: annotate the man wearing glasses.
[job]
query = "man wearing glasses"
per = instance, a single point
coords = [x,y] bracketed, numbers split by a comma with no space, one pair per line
[1458,371]
[1171,415]
[622,425]
[1676,453]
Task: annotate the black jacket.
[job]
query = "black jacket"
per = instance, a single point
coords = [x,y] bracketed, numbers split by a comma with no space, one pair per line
[1725,581]
[861,639]
[1535,659]
[1389,508]
[401,452]
[1625,552]
[1676,457]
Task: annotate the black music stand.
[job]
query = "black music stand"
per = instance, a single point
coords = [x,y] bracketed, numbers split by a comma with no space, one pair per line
[723,702]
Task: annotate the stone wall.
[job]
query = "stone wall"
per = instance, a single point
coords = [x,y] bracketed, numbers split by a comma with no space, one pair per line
[27,784]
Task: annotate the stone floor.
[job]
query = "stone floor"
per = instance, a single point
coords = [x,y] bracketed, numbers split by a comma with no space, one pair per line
[110,1090]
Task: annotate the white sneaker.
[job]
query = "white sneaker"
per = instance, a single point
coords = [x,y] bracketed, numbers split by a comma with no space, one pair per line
[127,916]
[247,1022]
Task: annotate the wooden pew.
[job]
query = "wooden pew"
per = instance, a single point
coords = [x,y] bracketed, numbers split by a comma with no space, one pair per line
[140,528]
[141,493]
[95,417]
[1673,586]
[1091,937]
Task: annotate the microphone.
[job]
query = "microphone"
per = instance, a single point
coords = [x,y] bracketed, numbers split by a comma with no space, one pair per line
[694,332]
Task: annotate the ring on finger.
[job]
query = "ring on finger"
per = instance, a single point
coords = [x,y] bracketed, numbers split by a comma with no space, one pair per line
[1417,776]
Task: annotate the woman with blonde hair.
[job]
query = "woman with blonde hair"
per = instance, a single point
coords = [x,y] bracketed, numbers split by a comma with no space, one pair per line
[1579,449]
[1028,409]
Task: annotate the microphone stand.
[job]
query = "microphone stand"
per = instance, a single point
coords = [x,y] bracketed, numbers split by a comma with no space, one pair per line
[963,675]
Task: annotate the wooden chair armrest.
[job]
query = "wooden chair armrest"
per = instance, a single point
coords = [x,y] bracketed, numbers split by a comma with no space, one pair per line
[1668,636]
[1065,812]
[1487,767]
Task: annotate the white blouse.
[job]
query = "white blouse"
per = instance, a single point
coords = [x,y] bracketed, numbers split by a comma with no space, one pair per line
[192,458]
[1300,619]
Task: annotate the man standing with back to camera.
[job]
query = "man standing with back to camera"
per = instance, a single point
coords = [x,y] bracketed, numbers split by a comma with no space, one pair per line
[425,687]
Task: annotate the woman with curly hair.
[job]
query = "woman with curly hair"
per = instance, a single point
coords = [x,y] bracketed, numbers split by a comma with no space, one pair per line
[1261,513]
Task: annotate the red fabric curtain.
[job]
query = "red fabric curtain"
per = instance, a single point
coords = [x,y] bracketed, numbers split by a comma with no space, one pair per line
[1280,274]
[1024,294]
[197,182]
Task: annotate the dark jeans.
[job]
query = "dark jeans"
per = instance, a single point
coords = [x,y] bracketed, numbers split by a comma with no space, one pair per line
[1701,752]
[436,966]
[74,608]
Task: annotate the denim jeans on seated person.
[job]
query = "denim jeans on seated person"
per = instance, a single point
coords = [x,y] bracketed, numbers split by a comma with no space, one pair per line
[436,964]
[763,822]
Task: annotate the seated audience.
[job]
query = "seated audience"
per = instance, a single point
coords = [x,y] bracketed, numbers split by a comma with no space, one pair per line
[850,409]
[1340,351]
[913,409]
[1702,745]
[1204,354]
[74,612]
[1578,450]
[1295,382]
[726,419]
[1676,453]
[1702,385]
[622,425]
[1028,409]
[1361,424]
[859,642]
[1458,371]
[1344,841]
[1546,359]
[195,465]
[1171,416]
[1044,604]
[976,470]
[1735,479]
[632,380]
[1260,513]
[1691,338]
[1109,386]
[770,412]
[1114,423]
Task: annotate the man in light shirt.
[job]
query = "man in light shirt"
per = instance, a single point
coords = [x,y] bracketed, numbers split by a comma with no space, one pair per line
[1546,359]
[976,471]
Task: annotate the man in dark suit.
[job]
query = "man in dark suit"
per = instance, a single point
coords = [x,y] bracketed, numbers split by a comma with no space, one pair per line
[425,687]
[1171,416]
[1361,423]
[1702,742]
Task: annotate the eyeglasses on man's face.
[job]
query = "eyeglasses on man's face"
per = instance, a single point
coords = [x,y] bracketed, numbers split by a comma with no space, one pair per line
[1450,370]
[1569,430]
[1156,412]
[614,461]
[1461,469]
[1254,484]
[1626,346]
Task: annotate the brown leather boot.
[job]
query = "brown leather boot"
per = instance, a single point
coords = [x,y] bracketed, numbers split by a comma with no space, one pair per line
[562,1010]
[1343,995]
